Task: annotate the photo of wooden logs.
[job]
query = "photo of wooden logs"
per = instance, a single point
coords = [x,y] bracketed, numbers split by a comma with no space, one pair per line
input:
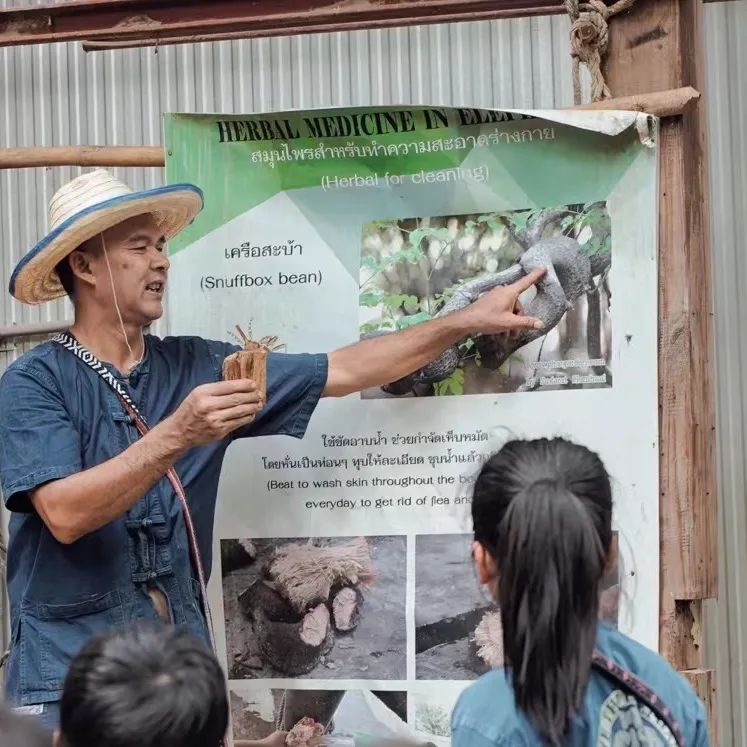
[315,607]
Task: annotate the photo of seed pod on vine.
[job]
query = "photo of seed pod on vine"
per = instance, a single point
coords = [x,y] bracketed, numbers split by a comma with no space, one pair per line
[416,269]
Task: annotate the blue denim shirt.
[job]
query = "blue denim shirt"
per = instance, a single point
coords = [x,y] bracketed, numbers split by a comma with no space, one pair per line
[486,713]
[58,417]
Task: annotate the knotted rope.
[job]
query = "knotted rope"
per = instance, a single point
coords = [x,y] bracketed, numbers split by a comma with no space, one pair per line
[589,41]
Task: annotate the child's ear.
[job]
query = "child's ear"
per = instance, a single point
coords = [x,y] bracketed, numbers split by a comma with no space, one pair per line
[484,564]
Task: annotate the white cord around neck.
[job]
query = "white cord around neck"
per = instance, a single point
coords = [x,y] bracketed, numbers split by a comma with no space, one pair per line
[119,313]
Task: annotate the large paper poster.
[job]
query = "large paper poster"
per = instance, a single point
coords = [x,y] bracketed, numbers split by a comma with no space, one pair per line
[322,227]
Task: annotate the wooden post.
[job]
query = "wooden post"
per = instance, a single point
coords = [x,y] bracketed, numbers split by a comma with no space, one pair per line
[658,45]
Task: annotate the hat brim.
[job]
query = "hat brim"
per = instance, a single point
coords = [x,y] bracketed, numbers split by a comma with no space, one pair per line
[35,280]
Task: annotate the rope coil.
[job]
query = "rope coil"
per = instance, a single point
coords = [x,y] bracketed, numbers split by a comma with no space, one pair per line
[589,41]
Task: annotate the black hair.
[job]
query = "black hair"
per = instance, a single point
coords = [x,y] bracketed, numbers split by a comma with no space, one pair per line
[21,731]
[543,510]
[144,687]
[65,274]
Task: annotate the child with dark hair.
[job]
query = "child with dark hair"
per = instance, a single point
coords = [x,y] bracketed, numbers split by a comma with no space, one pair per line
[144,687]
[542,519]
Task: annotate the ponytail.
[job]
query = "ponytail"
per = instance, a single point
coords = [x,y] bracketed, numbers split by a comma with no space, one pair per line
[542,509]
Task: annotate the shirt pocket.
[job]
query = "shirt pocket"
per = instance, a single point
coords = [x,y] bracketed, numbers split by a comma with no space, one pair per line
[54,633]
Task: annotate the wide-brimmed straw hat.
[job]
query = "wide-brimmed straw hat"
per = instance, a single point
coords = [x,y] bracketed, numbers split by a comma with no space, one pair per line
[87,206]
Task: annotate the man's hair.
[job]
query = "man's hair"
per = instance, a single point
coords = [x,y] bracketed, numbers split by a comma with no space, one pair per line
[65,274]
[21,731]
[144,687]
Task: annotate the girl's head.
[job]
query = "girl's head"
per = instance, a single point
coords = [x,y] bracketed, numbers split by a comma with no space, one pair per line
[542,516]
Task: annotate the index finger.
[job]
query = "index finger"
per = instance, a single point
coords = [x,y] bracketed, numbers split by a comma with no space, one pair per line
[232,386]
[529,280]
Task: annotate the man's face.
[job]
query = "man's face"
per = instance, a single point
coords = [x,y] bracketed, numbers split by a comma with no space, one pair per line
[139,267]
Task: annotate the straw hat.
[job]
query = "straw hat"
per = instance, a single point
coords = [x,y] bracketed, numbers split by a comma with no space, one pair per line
[87,206]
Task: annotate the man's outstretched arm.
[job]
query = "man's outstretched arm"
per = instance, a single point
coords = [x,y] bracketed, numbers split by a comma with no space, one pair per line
[388,358]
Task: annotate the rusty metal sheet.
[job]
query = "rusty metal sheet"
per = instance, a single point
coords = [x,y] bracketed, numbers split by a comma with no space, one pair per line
[114,23]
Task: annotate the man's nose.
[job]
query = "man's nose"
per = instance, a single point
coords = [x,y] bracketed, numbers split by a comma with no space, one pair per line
[161,260]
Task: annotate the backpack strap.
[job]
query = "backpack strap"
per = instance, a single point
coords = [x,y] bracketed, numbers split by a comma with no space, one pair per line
[629,682]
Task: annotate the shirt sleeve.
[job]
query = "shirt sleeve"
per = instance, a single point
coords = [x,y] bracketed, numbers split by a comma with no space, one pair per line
[700,736]
[38,440]
[467,730]
[295,382]
[463,735]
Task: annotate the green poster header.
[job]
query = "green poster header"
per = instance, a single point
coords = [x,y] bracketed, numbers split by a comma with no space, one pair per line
[244,160]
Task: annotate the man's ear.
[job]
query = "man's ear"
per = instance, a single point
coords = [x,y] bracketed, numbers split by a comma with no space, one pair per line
[80,264]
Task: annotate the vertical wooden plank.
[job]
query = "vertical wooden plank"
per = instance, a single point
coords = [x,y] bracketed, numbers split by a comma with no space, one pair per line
[658,45]
[704,683]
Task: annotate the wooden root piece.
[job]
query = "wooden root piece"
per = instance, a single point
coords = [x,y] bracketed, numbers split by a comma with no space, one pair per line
[315,626]
[305,574]
[250,363]
[306,733]
[265,598]
[294,648]
[346,609]
[489,639]
[236,554]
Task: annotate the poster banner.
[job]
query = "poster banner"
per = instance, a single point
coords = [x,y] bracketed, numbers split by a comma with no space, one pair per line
[324,227]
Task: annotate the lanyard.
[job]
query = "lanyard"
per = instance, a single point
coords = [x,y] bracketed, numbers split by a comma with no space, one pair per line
[70,343]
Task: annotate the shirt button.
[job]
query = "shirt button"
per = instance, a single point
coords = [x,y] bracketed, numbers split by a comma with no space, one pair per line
[145,523]
[152,575]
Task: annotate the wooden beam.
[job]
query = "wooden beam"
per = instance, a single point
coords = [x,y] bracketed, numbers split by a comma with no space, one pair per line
[150,22]
[658,45]
[661,104]
[704,683]
[82,155]
[114,24]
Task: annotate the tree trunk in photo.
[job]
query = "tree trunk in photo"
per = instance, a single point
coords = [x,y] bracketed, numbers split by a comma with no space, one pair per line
[317,704]
[594,329]
[575,331]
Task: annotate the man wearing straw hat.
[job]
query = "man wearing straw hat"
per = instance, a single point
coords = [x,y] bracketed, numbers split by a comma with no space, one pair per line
[111,441]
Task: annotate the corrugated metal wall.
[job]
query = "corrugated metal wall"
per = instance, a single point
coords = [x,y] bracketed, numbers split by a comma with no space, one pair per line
[58,95]
[726,33]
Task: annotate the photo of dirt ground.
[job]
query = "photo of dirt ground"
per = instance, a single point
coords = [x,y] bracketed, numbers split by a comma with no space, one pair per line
[337,714]
[316,608]
[458,634]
